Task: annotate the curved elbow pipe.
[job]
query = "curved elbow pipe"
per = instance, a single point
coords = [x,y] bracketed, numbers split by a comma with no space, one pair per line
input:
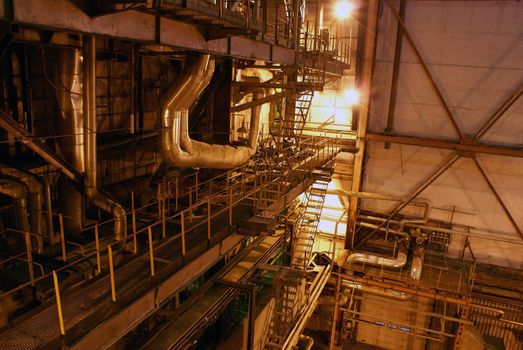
[99,199]
[11,187]
[371,259]
[35,189]
[177,146]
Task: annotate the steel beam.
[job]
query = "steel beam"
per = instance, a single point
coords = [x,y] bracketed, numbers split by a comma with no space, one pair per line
[395,70]
[405,289]
[425,68]
[447,144]
[399,207]
[499,113]
[39,147]
[143,27]
[496,194]
[261,101]
[368,27]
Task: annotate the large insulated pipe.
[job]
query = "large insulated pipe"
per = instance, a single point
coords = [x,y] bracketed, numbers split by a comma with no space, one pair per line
[417,262]
[371,259]
[99,199]
[70,127]
[195,77]
[15,189]
[37,191]
[178,148]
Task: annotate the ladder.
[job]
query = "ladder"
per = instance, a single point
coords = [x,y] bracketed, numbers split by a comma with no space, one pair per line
[304,240]
[290,284]
[287,301]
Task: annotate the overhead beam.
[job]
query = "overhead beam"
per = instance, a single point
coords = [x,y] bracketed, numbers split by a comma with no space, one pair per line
[39,147]
[368,25]
[500,201]
[400,206]
[499,113]
[425,68]
[395,70]
[447,144]
[256,103]
[142,27]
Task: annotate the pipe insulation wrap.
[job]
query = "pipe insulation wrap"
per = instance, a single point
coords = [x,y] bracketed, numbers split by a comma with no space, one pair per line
[177,146]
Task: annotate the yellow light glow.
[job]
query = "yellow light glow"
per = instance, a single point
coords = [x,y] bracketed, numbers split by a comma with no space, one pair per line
[343,9]
[351,96]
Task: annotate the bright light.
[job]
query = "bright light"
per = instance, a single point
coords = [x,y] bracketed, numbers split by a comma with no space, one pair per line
[343,9]
[351,96]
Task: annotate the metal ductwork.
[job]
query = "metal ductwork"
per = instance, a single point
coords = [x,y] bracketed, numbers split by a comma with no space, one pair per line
[178,148]
[99,199]
[38,190]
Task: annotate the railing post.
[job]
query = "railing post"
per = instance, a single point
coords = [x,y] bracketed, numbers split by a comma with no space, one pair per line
[97,244]
[190,204]
[29,249]
[133,215]
[111,272]
[176,193]
[182,220]
[196,187]
[58,303]
[163,218]
[230,207]
[209,219]
[151,252]
[62,236]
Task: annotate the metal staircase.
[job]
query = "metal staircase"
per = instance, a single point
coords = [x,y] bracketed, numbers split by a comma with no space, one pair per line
[304,240]
[290,285]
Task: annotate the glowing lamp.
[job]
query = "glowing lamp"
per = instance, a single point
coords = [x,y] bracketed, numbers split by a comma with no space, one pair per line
[342,9]
[351,96]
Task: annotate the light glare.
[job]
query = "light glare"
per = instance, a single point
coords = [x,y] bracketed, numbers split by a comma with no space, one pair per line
[351,96]
[343,9]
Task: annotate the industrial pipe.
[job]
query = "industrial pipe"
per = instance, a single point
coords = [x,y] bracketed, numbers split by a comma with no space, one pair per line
[388,293]
[36,191]
[417,262]
[309,342]
[99,199]
[17,190]
[366,258]
[70,127]
[177,146]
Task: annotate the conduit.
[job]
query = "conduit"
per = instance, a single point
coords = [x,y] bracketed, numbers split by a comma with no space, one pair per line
[99,199]
[178,148]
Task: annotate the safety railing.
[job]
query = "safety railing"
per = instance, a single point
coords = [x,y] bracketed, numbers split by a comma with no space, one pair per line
[214,197]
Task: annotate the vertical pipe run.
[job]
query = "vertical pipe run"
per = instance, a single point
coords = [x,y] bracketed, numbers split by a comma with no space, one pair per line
[99,199]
